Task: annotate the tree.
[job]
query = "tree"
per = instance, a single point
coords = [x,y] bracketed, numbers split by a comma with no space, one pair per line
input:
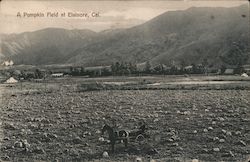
[194,68]
[71,69]
[147,67]
[106,72]
[222,69]
[159,69]
[38,74]
[132,68]
[113,69]
[205,64]
[183,64]
[173,70]
[82,71]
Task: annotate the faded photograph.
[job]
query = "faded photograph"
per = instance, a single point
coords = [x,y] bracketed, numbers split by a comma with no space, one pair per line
[133,81]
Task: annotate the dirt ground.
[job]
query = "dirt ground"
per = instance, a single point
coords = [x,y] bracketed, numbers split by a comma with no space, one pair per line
[184,125]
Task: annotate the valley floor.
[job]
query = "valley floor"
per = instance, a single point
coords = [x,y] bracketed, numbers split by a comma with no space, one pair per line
[56,121]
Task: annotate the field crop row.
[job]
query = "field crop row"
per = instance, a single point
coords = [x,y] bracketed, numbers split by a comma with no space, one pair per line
[209,125]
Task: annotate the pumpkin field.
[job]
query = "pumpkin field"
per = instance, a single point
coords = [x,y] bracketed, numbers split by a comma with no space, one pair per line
[58,122]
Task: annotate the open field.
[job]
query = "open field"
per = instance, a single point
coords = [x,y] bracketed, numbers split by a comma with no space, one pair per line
[54,120]
[172,82]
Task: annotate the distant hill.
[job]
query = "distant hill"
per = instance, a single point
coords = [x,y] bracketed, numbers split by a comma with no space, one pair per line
[47,46]
[183,37]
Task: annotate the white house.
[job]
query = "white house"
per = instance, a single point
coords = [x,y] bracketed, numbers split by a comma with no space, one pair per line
[8,63]
[57,75]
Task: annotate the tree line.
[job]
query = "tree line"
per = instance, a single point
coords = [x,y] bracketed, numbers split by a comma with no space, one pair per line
[128,68]
[116,69]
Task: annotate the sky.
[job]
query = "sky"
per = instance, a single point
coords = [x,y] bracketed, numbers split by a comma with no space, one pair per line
[106,14]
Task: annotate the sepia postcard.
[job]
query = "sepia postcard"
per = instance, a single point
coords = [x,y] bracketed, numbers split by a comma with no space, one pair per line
[125,81]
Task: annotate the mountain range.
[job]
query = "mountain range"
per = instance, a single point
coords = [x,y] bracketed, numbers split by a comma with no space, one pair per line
[180,37]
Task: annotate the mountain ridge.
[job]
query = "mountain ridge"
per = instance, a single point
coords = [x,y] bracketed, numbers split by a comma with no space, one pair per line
[176,36]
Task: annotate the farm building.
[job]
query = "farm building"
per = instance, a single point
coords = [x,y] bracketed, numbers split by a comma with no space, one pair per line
[161,67]
[11,80]
[188,68]
[229,72]
[8,63]
[57,75]
[244,75]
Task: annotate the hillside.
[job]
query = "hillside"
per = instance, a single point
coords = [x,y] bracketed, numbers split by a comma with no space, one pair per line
[47,46]
[184,37]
